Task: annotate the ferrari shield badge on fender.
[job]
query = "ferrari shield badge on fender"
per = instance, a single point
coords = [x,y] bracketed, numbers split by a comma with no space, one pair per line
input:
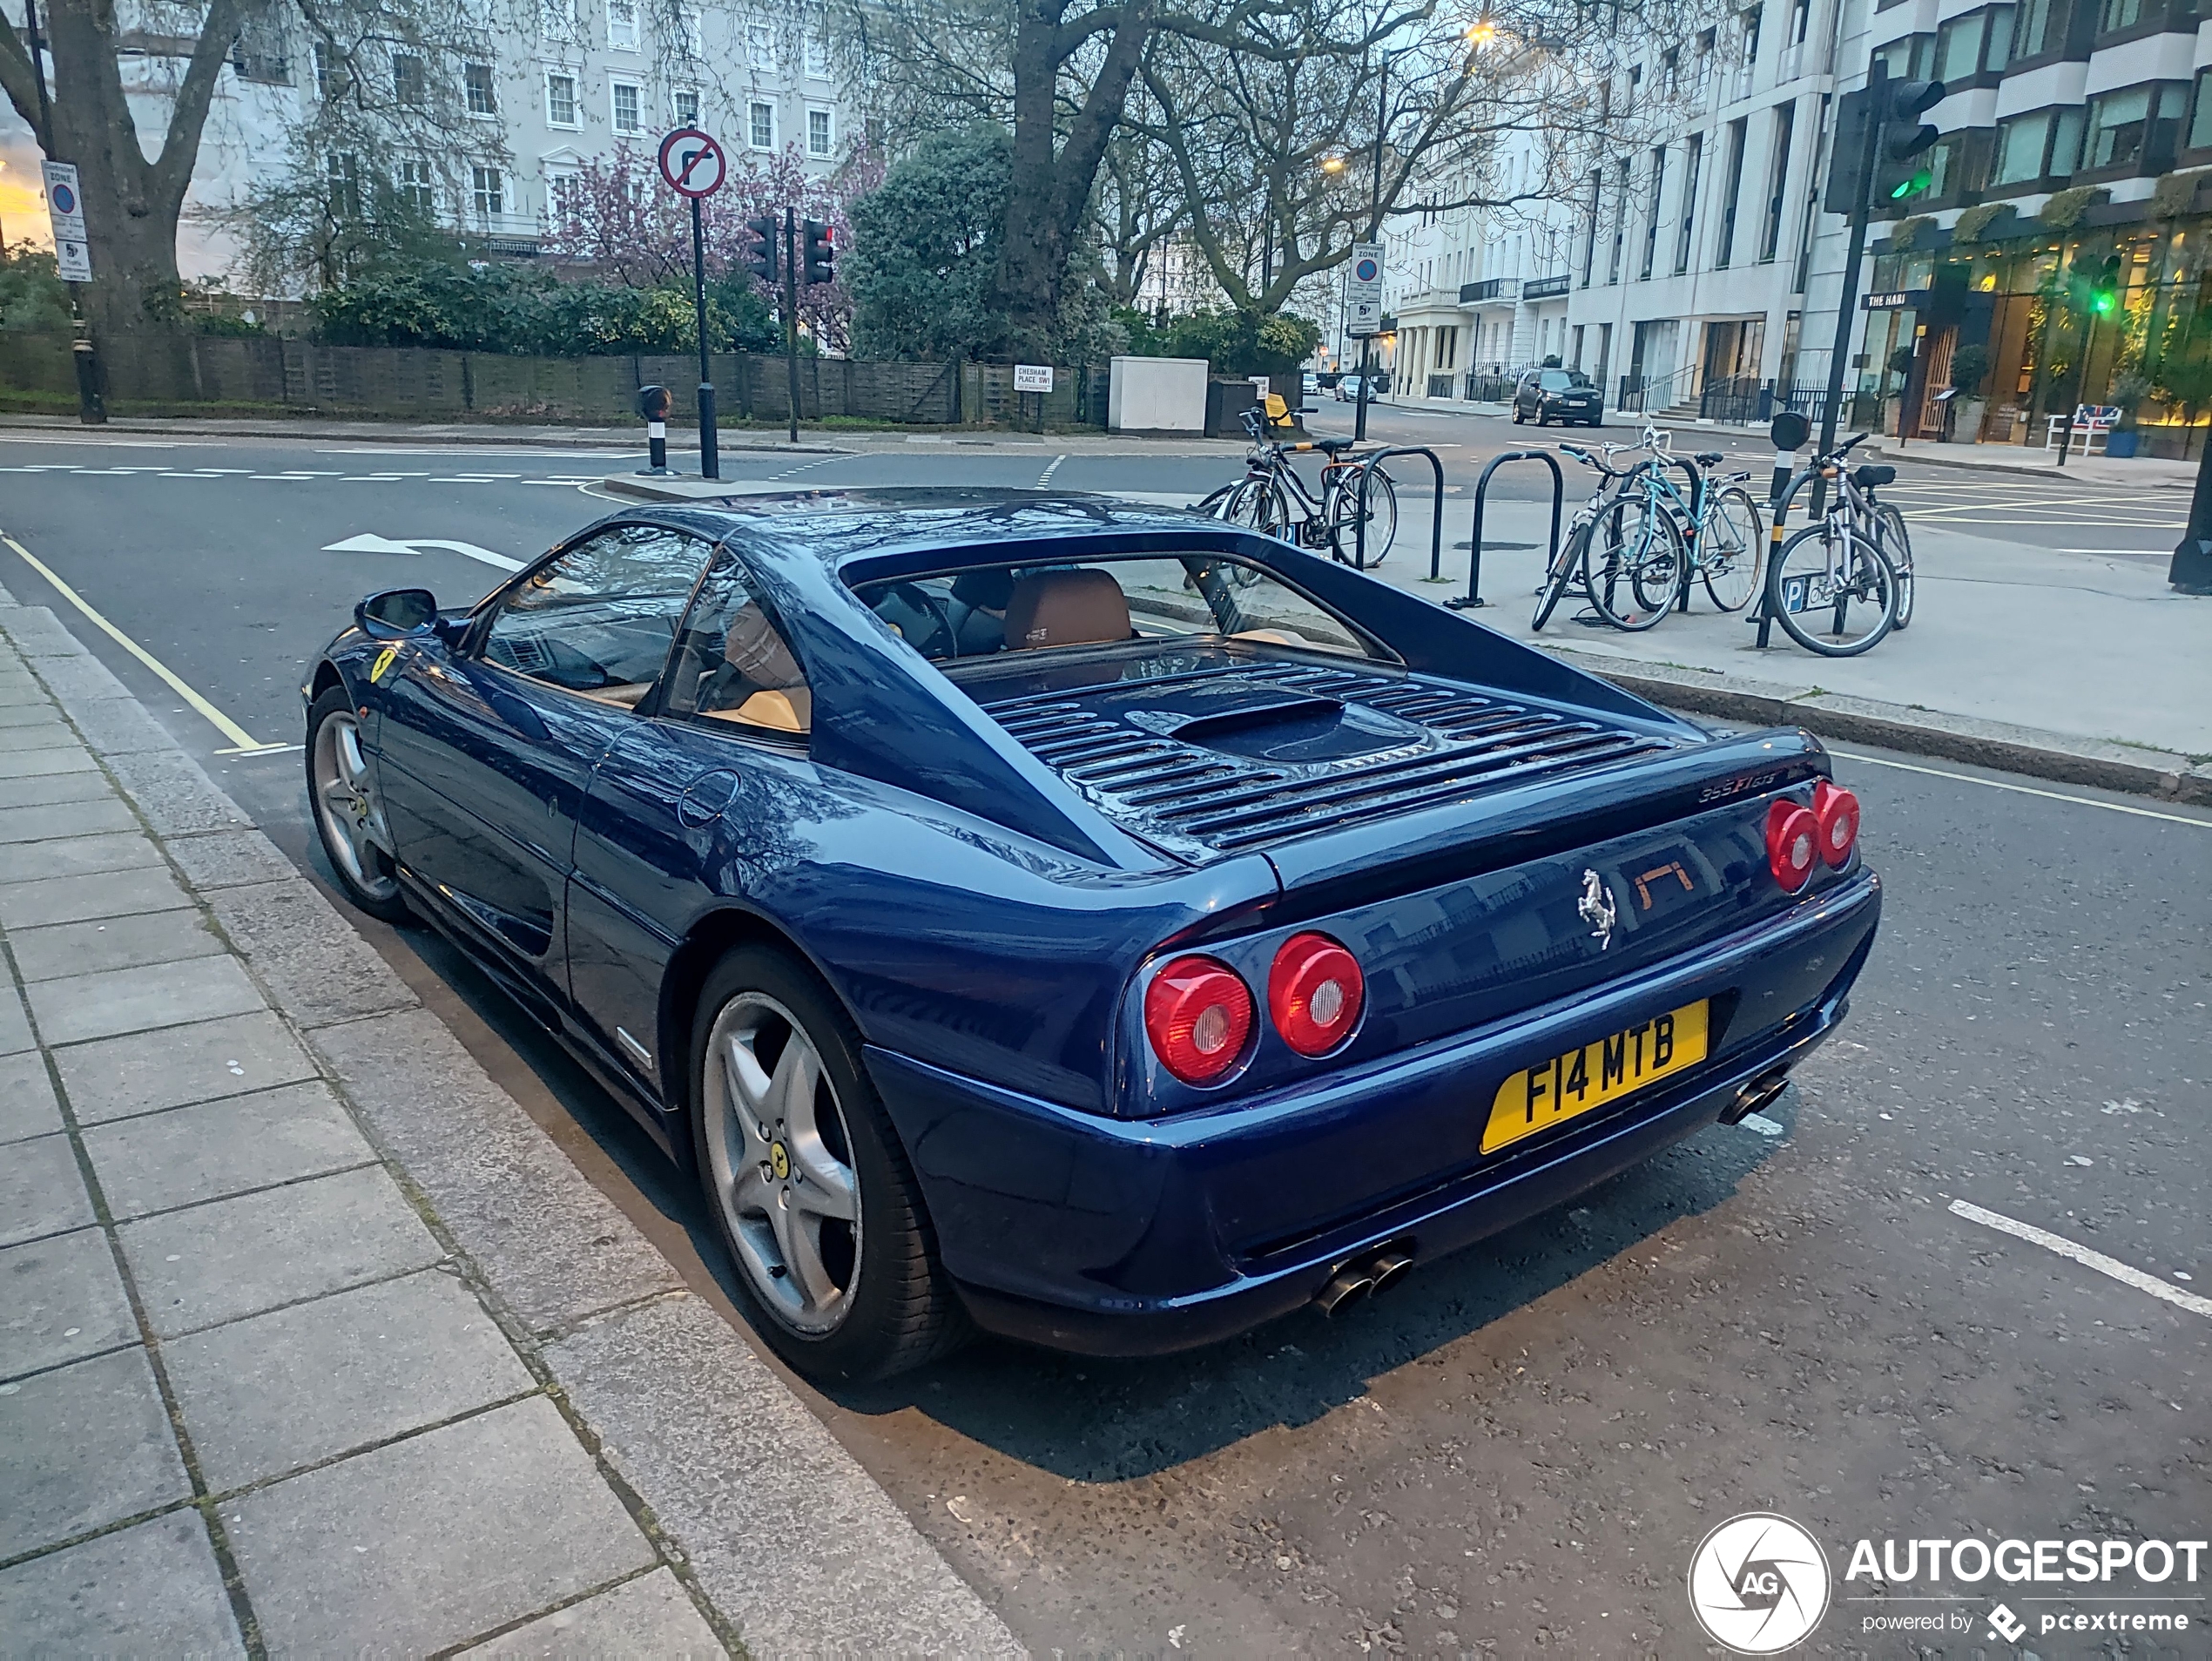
[384,661]
[1596,907]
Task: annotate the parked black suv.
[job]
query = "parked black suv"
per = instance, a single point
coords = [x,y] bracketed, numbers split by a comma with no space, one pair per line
[1558,394]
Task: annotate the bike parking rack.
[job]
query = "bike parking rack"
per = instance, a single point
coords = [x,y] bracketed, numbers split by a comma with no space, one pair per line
[1472,598]
[1368,464]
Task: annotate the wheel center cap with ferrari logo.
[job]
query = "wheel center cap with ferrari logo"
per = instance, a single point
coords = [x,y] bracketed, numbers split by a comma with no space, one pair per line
[779,1161]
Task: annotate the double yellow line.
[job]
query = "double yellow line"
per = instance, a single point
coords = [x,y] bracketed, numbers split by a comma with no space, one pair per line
[242,742]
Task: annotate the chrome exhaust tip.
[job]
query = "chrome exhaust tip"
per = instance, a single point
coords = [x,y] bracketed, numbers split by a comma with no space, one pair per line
[1755,1095]
[1345,1289]
[1389,1269]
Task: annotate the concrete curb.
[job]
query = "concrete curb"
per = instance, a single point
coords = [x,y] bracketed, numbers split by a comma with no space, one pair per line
[789,1543]
[2049,471]
[2038,755]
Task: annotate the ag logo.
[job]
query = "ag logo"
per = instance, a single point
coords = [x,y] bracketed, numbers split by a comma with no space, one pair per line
[1758,1583]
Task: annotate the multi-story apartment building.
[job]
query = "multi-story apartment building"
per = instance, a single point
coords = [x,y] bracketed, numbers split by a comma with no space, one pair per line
[536,96]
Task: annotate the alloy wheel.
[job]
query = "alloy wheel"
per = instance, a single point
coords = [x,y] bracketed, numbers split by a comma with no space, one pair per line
[346,806]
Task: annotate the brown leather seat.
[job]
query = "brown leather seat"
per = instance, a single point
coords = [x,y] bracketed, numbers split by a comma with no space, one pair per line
[1066,608]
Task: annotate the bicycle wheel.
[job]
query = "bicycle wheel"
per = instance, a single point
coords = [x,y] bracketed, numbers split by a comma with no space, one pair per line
[1634,563]
[1730,549]
[1897,547]
[1382,517]
[1837,602]
[1571,553]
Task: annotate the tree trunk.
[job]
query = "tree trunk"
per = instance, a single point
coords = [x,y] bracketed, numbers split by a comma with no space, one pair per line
[1051,180]
[131,204]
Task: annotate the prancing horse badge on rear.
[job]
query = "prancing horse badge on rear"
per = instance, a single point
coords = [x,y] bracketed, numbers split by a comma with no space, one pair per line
[1598,910]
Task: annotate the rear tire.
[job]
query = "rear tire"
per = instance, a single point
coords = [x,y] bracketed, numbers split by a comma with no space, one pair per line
[808,1182]
[1826,611]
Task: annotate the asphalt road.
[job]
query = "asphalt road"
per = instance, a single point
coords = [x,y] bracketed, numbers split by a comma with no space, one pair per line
[1516,1451]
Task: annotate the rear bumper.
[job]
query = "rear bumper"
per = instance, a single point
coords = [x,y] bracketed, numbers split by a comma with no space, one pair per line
[1114,1237]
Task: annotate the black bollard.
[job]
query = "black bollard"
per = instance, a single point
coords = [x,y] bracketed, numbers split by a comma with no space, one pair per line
[652,404]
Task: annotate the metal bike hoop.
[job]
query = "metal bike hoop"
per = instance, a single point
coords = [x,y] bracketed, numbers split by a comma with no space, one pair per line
[1472,598]
[1367,465]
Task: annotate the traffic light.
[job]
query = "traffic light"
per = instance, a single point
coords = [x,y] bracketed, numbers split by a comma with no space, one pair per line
[1901,168]
[817,243]
[2104,287]
[760,247]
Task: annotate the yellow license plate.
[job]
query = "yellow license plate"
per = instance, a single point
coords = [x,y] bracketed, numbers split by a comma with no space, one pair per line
[1597,1073]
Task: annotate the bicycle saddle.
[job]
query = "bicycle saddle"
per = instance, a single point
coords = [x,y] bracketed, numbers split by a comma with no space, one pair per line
[1708,458]
[1870,476]
[1331,446]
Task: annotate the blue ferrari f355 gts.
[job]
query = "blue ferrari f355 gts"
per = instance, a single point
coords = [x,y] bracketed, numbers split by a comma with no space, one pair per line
[1094,923]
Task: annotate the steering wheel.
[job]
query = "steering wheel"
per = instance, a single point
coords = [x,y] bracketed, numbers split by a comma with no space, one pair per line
[916,597]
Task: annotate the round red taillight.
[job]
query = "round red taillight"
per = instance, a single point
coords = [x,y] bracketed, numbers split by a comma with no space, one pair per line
[1198,1013]
[1314,994]
[1835,810]
[1793,844]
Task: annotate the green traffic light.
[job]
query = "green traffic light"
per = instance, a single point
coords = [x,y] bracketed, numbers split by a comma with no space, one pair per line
[2102,305]
[1911,186]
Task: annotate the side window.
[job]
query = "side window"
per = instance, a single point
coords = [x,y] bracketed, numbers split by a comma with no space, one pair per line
[599,619]
[732,666]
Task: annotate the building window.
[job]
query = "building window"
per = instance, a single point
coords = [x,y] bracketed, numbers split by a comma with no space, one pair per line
[1731,186]
[407,79]
[2118,123]
[1589,233]
[486,193]
[344,173]
[816,52]
[2119,14]
[563,198]
[2021,144]
[761,124]
[476,80]
[685,107]
[1750,37]
[821,133]
[627,104]
[2201,121]
[1909,59]
[622,23]
[1958,56]
[1651,218]
[760,46]
[328,76]
[2033,34]
[560,100]
[1619,223]
[413,187]
[1684,236]
[1785,123]
[689,39]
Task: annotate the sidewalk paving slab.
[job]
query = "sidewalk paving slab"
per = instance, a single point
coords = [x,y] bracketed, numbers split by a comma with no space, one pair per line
[61,1300]
[27,1104]
[230,860]
[319,970]
[90,897]
[232,1257]
[15,1025]
[648,1616]
[147,1071]
[97,812]
[162,1161]
[42,1192]
[32,764]
[68,949]
[93,1598]
[117,1001]
[82,1447]
[55,788]
[77,855]
[296,1386]
[481,1522]
[45,735]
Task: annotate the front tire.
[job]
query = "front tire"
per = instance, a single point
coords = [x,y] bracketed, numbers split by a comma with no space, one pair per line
[807,1183]
[349,817]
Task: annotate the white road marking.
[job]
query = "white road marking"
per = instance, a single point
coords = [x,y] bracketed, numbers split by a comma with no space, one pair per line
[2125,1273]
[2159,553]
[230,729]
[803,466]
[1050,468]
[2024,790]
[369,543]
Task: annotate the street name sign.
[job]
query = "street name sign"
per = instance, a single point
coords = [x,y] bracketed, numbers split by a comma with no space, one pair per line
[1033,377]
[1363,295]
[65,207]
[693,163]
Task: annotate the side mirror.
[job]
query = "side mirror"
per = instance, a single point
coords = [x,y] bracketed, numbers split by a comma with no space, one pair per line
[1790,431]
[398,614]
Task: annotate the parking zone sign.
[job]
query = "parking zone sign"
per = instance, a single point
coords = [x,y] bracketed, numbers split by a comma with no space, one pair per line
[1363,296]
[65,207]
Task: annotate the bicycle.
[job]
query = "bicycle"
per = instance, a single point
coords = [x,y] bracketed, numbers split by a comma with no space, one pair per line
[1826,569]
[1273,498]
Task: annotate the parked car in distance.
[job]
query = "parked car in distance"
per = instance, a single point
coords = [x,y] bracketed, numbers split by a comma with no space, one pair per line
[1546,395]
[1348,390]
[1094,922]
[1311,384]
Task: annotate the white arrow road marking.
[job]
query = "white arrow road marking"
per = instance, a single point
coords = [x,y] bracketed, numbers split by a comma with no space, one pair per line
[368,543]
